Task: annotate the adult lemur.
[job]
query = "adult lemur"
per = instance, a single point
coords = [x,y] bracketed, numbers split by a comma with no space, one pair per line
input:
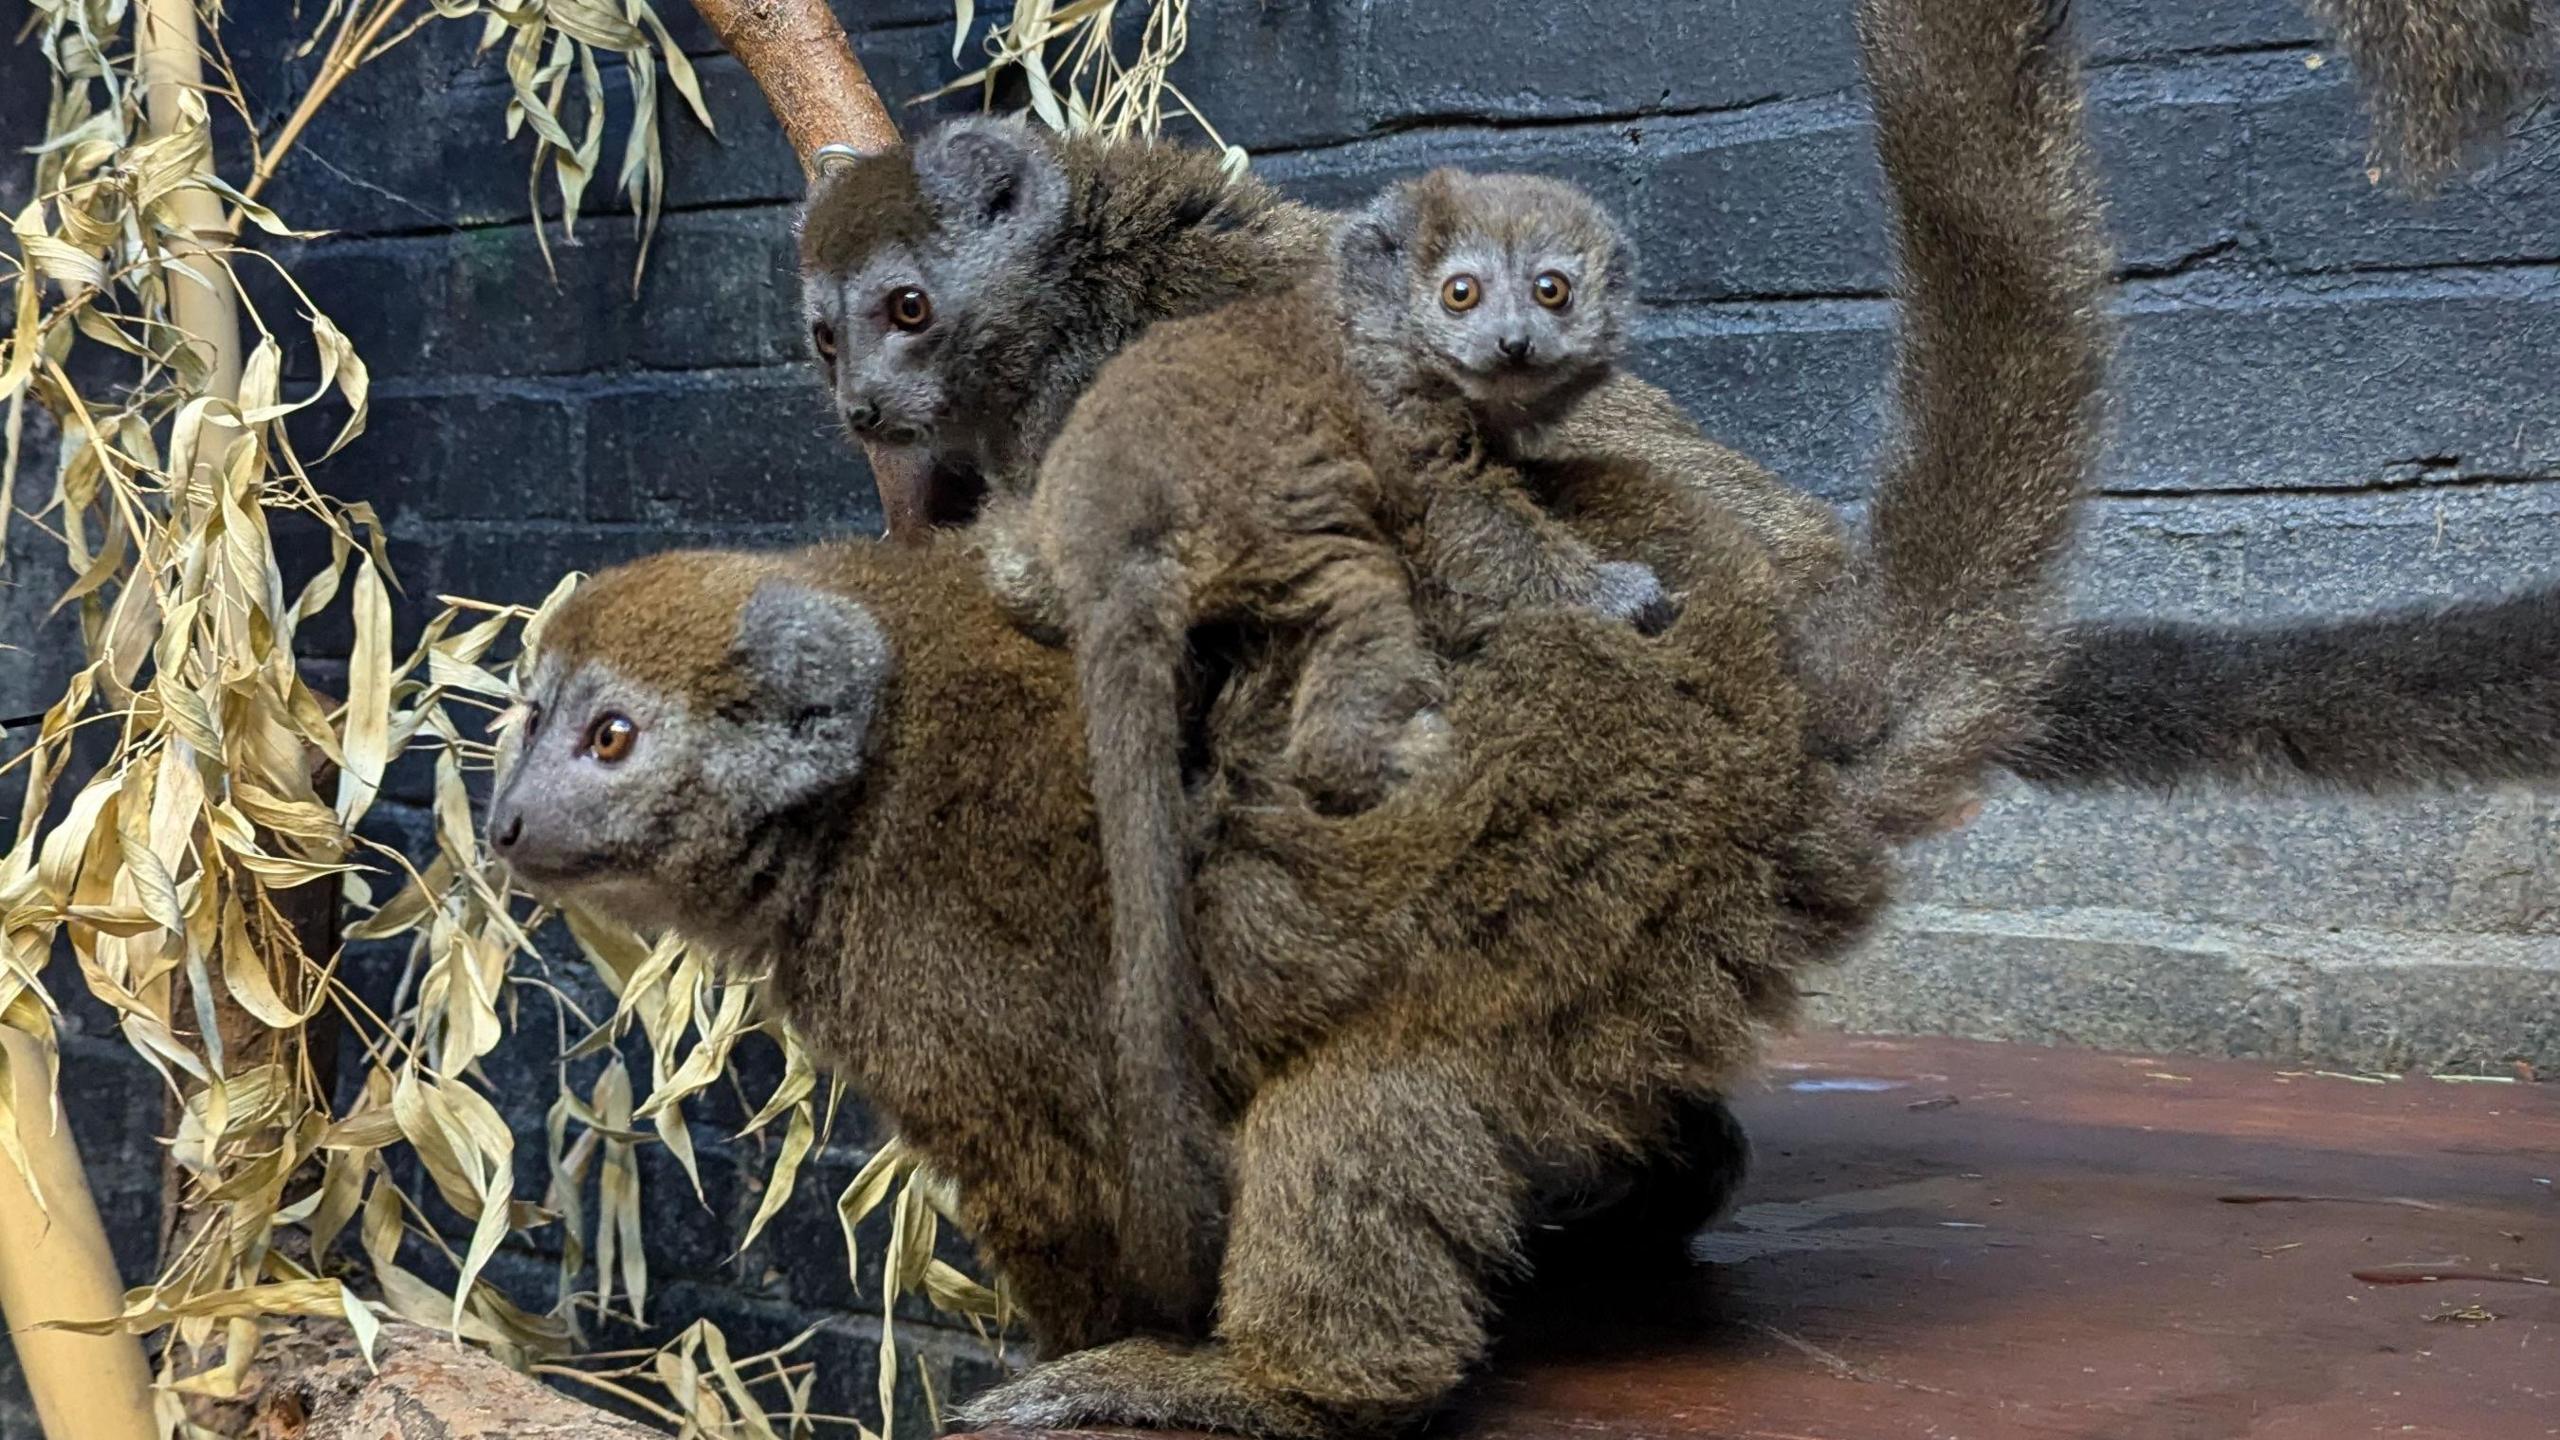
[1430,1018]
[963,294]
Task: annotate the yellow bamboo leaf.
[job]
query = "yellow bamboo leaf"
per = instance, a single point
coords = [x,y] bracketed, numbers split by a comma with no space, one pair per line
[278,872]
[408,908]
[799,1079]
[367,741]
[341,366]
[455,835]
[118,920]
[244,974]
[618,1196]
[677,1135]
[715,1347]
[261,381]
[864,1193]
[956,1293]
[297,820]
[372,1128]
[680,69]
[341,1191]
[796,1143]
[156,891]
[430,1119]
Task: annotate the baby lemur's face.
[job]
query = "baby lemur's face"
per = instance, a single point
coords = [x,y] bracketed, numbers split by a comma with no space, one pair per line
[913,261]
[685,714]
[1513,290]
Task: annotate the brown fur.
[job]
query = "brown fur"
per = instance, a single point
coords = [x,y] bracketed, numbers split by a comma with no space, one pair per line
[1442,1012]
[2442,76]
[1257,469]
[1434,1018]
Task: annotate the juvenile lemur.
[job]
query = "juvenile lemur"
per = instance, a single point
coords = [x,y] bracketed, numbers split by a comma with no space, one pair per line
[1431,1016]
[1284,464]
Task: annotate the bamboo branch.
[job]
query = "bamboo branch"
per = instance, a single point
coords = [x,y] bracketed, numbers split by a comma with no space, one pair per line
[350,47]
[55,1264]
[799,57]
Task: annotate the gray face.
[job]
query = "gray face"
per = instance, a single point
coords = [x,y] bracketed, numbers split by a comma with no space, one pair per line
[1507,322]
[634,803]
[901,332]
[1512,290]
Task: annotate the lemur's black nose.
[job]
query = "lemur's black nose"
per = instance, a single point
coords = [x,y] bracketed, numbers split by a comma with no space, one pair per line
[507,829]
[1514,347]
[863,415]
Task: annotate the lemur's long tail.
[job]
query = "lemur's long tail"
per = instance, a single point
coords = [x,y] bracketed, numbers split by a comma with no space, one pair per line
[1928,657]
[2404,699]
[2441,77]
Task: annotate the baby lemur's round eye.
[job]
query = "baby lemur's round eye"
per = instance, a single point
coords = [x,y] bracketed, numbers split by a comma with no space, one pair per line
[1552,289]
[610,739]
[823,335]
[910,309]
[1459,293]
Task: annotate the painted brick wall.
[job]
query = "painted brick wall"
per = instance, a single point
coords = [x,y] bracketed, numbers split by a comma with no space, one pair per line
[2330,397]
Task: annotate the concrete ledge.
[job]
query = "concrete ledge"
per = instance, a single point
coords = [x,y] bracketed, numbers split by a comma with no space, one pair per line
[2129,980]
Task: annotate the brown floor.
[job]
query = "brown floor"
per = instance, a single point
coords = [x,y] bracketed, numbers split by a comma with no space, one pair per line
[1989,1242]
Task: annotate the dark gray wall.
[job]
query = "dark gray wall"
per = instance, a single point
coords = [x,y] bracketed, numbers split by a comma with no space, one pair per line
[2330,397]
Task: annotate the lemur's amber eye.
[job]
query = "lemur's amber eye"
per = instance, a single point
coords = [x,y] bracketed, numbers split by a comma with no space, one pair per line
[1459,294]
[823,335]
[910,310]
[1552,289]
[610,739]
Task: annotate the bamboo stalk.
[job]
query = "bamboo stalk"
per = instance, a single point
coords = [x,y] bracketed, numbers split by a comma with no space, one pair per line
[815,85]
[55,1264]
[205,308]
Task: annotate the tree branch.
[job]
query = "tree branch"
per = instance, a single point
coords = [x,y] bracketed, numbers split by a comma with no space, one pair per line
[799,57]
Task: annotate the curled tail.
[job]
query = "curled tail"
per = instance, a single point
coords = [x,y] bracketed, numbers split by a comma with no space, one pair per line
[2441,76]
[1129,658]
[2405,699]
[1928,657]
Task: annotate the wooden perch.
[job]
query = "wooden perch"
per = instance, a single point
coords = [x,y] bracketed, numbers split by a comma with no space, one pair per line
[799,57]
[428,1388]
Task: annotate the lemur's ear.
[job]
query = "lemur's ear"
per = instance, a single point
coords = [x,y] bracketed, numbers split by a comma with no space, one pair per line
[821,663]
[984,171]
[1371,245]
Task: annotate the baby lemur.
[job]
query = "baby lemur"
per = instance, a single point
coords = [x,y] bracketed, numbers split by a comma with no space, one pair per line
[1430,1017]
[1282,465]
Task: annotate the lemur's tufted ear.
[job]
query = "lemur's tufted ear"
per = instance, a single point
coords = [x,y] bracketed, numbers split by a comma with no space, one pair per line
[820,663]
[985,171]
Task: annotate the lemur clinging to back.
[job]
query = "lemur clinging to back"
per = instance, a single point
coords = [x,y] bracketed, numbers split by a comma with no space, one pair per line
[1304,463]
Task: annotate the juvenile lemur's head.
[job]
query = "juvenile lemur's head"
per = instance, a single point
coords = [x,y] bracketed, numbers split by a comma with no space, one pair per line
[915,259]
[688,715]
[1513,290]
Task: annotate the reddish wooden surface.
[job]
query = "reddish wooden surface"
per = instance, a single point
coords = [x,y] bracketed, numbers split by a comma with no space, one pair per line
[1955,1241]
[2052,1255]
